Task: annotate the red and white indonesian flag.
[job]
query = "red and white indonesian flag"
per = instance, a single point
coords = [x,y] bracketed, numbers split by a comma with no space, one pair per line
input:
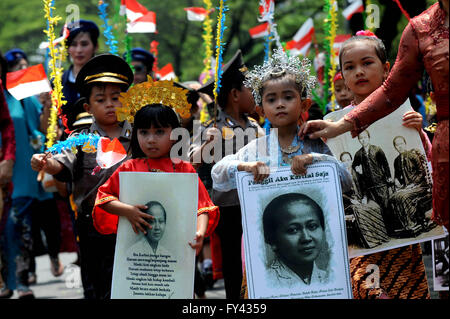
[144,24]
[166,73]
[140,19]
[132,9]
[27,82]
[355,7]
[196,13]
[302,40]
[45,45]
[339,41]
[319,65]
[259,31]
[109,153]
[266,10]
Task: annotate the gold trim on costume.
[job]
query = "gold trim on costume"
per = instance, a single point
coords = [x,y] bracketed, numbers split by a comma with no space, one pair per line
[205,210]
[431,128]
[107,79]
[107,74]
[105,199]
[84,114]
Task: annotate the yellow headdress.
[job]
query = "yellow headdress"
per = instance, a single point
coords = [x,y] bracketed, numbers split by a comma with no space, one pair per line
[153,92]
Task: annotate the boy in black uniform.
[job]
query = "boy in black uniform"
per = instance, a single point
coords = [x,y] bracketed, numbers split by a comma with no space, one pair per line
[100,81]
[235,102]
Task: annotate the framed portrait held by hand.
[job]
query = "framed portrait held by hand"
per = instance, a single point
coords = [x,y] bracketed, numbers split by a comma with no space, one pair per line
[294,234]
[159,264]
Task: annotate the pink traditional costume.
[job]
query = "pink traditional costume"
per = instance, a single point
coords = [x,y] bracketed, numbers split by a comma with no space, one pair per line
[424,46]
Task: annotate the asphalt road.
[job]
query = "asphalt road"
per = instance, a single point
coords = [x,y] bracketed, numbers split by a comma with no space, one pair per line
[68,286]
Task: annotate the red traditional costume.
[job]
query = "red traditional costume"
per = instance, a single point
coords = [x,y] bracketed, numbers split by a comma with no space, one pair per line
[106,223]
[424,46]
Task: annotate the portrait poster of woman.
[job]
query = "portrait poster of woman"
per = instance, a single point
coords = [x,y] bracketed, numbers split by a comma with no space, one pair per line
[159,265]
[294,234]
[390,204]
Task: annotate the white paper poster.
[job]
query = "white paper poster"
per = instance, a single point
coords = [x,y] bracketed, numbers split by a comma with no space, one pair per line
[161,264]
[294,234]
[440,264]
[390,204]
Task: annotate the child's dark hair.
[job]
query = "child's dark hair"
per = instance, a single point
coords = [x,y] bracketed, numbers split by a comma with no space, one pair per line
[380,49]
[152,115]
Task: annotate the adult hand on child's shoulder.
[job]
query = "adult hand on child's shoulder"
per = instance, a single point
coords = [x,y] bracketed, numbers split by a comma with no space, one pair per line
[324,129]
[299,163]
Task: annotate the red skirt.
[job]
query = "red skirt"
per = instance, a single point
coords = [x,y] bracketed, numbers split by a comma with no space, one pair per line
[439,163]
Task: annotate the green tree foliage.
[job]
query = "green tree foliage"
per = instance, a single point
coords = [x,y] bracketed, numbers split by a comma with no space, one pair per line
[180,40]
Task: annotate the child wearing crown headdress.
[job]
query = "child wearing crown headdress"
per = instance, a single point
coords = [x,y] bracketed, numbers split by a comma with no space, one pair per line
[281,86]
[153,106]
[214,140]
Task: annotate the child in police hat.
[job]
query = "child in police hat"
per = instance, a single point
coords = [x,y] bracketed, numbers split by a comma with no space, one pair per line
[100,81]
[235,102]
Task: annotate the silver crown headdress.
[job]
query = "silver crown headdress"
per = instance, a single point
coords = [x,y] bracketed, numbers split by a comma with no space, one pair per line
[277,65]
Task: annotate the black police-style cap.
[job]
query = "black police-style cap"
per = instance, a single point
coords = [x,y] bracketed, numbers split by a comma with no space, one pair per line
[82,26]
[14,55]
[140,54]
[232,71]
[104,68]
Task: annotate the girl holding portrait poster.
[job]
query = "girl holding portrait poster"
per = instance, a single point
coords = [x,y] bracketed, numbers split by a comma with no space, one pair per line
[282,87]
[397,273]
[153,108]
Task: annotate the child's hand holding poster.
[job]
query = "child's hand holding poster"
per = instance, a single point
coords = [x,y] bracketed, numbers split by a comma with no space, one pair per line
[294,234]
[160,263]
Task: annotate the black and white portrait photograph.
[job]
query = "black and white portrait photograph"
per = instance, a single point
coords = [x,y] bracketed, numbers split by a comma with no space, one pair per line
[390,203]
[154,235]
[440,264]
[294,229]
[160,263]
[294,235]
